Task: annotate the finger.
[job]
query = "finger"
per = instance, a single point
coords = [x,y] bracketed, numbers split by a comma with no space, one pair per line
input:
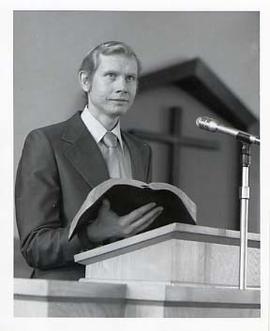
[149,217]
[146,223]
[105,206]
[106,203]
[139,212]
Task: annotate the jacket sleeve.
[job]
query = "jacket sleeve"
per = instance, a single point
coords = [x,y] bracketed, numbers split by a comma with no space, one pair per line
[43,236]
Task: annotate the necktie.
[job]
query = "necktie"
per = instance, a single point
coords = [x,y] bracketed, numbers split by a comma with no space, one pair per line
[111,154]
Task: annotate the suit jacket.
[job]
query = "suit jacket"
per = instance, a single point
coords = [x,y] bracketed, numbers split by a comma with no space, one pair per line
[60,164]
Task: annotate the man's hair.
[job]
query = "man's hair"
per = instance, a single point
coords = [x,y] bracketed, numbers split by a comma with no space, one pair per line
[92,58]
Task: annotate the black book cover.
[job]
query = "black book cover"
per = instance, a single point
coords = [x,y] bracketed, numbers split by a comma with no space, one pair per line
[127,195]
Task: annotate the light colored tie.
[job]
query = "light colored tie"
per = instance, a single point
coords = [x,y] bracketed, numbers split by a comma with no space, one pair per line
[111,154]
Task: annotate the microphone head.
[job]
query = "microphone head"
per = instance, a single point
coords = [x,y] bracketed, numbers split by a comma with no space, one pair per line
[207,123]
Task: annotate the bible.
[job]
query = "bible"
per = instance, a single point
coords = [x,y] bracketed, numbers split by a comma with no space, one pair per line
[125,195]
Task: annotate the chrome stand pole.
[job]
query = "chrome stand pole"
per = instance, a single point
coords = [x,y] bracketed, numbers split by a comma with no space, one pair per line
[244,194]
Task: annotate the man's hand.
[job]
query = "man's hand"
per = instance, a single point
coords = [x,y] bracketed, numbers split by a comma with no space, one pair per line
[109,225]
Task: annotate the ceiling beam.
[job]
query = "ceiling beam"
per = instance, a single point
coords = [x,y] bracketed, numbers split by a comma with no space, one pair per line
[197,79]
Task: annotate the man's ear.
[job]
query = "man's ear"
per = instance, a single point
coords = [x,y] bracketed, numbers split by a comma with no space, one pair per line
[85,81]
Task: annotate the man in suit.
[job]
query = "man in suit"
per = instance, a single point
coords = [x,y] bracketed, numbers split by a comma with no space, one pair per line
[61,163]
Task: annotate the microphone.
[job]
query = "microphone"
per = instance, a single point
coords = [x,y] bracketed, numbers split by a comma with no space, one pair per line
[209,124]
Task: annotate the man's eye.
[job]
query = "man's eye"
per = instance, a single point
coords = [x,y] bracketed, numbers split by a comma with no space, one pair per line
[111,75]
[131,78]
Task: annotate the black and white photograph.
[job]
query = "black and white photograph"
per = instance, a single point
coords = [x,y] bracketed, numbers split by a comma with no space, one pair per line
[137,168]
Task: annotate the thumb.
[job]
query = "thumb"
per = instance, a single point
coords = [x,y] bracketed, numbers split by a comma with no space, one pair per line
[105,205]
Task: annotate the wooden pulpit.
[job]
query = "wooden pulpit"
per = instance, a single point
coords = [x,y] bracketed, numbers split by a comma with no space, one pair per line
[178,270]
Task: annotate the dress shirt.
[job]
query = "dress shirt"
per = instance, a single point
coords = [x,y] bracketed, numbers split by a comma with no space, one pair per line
[98,131]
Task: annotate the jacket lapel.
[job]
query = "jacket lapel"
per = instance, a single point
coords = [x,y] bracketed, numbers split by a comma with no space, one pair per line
[136,157]
[84,153]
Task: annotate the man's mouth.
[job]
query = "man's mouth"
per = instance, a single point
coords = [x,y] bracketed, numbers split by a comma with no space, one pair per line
[119,100]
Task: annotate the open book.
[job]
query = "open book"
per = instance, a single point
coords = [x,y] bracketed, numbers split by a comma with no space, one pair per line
[125,195]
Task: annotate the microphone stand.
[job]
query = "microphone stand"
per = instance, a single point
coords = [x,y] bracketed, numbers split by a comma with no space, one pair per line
[244,194]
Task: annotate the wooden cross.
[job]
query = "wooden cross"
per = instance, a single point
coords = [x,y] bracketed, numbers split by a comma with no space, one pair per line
[174,140]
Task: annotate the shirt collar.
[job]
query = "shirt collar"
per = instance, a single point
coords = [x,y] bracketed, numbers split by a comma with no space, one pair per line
[96,129]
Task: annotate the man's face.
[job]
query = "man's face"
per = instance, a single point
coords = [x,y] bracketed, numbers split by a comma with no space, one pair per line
[114,85]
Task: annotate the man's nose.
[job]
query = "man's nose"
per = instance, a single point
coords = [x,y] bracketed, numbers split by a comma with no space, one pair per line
[121,85]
